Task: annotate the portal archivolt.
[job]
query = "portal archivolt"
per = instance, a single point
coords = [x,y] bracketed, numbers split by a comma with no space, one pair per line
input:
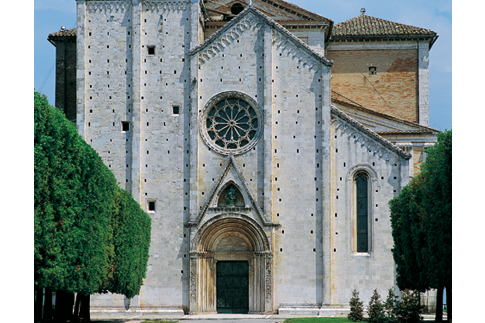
[230,237]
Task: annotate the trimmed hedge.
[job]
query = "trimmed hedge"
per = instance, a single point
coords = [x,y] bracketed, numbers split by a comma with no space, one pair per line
[131,227]
[90,236]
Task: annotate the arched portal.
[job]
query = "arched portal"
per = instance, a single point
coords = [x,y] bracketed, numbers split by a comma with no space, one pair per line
[232,239]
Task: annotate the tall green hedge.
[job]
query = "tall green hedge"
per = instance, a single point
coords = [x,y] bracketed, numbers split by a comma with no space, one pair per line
[89,234]
[131,230]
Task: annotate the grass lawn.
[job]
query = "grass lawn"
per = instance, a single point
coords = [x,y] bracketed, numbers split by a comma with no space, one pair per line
[328,320]
[317,320]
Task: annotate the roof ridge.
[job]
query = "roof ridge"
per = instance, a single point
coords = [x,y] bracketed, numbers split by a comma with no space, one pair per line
[300,8]
[63,33]
[365,25]
[269,21]
[382,115]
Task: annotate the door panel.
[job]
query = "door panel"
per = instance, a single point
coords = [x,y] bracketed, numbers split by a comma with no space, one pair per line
[232,287]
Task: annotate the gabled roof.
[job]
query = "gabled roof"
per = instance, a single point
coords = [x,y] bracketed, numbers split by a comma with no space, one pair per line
[276,9]
[64,33]
[365,26]
[290,16]
[378,122]
[251,10]
[371,134]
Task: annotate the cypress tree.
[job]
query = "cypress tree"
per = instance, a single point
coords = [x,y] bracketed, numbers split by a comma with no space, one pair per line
[89,235]
[74,193]
[437,171]
[421,225]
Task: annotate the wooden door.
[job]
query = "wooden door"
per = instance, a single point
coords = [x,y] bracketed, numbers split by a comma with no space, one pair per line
[232,285]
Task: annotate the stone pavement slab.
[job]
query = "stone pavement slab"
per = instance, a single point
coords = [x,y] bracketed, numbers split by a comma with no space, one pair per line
[203,318]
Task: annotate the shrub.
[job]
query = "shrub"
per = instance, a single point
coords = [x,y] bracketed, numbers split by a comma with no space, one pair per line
[376,309]
[356,308]
[390,306]
[408,309]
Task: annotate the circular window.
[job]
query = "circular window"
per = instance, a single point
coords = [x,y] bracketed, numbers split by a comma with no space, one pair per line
[231,123]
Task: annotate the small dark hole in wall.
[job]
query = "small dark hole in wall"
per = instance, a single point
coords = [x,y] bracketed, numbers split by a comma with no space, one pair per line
[151,50]
[176,110]
[125,125]
[151,205]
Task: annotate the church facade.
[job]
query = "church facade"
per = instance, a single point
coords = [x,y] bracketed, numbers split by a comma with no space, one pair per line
[264,141]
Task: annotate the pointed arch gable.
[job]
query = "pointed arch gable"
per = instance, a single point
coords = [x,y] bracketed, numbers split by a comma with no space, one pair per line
[229,164]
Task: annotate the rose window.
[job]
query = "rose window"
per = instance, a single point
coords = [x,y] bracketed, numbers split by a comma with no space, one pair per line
[231,123]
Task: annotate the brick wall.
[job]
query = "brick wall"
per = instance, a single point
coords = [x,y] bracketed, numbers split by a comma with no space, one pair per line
[394,88]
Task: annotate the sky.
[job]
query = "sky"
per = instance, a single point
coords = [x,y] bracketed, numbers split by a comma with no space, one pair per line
[50,15]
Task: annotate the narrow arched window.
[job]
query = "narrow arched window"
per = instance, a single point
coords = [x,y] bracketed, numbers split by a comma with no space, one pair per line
[362,216]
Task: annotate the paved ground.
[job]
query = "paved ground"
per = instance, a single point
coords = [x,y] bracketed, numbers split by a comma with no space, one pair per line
[219,318]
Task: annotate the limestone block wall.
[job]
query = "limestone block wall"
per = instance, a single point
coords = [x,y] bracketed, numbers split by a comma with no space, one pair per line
[163,147]
[298,177]
[393,90]
[239,67]
[107,89]
[353,151]
[284,170]
[132,107]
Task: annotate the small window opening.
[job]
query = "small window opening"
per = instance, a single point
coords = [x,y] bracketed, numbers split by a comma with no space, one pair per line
[125,126]
[151,50]
[372,70]
[175,110]
[151,206]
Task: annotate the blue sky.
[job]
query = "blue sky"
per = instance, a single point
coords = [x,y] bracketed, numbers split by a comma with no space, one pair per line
[50,15]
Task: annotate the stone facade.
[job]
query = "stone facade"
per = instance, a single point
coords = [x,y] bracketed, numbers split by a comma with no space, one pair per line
[225,129]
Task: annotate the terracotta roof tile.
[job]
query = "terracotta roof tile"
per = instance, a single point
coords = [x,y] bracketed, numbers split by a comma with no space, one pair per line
[64,33]
[365,25]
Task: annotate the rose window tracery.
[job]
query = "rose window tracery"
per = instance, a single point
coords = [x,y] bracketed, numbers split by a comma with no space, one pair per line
[231,123]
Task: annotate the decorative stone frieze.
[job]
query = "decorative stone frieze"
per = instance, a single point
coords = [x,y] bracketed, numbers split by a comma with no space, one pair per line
[108,6]
[165,5]
[366,137]
[226,36]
